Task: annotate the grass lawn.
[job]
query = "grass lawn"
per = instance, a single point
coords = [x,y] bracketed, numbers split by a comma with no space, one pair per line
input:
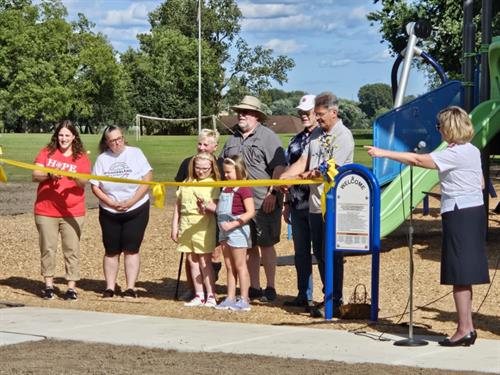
[163,152]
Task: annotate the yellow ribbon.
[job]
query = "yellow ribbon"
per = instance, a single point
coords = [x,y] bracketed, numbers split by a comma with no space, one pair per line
[3,175]
[159,196]
[158,187]
[329,175]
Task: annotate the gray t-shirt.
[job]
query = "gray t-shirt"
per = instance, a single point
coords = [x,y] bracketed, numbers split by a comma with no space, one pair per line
[338,144]
[261,151]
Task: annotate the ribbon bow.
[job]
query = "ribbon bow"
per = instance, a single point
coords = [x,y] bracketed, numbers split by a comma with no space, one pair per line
[328,170]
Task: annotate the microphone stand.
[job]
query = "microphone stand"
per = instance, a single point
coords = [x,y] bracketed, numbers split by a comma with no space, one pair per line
[411,341]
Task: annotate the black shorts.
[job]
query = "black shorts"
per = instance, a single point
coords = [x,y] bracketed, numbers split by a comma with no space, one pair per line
[123,231]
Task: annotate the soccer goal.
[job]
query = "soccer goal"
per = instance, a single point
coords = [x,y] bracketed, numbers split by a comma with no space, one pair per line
[158,125]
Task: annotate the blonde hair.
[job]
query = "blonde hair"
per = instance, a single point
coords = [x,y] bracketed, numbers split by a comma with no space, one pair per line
[203,156]
[239,166]
[455,125]
[209,133]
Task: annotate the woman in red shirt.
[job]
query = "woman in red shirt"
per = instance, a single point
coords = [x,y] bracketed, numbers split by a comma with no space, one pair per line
[60,205]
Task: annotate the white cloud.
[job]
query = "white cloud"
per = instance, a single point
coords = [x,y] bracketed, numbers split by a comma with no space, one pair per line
[283,46]
[283,23]
[382,57]
[250,10]
[116,34]
[334,63]
[358,13]
[135,14]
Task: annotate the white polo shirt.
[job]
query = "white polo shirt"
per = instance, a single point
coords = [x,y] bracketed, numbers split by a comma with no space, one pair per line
[460,176]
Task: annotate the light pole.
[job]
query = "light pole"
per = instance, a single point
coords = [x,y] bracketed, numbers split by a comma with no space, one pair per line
[199,66]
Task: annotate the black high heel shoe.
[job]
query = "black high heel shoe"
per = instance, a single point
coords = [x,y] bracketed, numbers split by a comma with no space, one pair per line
[466,340]
[474,337]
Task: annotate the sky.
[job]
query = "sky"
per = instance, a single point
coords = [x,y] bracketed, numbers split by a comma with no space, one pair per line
[331,41]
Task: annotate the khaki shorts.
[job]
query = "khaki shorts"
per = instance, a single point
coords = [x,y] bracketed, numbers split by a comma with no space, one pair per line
[70,229]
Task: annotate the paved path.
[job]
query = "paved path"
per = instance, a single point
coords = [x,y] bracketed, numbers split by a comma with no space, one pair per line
[22,324]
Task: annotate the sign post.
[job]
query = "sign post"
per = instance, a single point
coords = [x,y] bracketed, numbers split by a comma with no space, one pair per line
[352,223]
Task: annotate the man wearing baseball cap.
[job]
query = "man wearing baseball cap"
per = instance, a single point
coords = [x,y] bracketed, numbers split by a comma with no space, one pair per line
[296,207]
[264,158]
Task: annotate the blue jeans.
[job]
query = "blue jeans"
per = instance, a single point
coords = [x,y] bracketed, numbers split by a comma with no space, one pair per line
[301,235]
[317,225]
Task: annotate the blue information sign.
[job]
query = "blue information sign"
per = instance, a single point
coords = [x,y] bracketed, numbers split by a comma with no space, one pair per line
[352,223]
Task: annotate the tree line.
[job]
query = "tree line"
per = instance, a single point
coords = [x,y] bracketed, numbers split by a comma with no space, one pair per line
[53,69]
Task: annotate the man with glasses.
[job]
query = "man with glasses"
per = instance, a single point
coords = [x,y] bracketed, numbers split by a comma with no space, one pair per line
[264,158]
[296,208]
[331,140]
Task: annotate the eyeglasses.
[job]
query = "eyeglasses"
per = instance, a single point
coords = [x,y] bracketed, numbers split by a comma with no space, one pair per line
[202,169]
[438,125]
[321,114]
[116,140]
[247,112]
[304,113]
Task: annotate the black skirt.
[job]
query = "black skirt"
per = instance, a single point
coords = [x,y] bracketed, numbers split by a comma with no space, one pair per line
[463,257]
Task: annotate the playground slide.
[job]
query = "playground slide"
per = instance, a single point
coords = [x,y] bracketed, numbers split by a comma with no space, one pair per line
[395,200]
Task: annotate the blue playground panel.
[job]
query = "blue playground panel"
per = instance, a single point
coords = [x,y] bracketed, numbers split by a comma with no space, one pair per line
[403,128]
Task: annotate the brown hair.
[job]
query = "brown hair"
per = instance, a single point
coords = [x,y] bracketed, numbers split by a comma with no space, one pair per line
[103,145]
[239,165]
[76,146]
[455,124]
[205,156]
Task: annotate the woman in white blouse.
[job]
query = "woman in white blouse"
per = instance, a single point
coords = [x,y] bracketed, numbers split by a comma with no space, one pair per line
[463,257]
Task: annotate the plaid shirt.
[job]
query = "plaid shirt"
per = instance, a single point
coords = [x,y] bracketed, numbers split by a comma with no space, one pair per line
[298,195]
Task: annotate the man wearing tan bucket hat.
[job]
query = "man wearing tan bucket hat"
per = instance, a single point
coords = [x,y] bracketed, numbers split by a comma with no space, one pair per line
[264,158]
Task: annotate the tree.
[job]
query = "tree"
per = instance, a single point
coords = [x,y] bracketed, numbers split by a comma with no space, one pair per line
[446,18]
[164,74]
[282,102]
[351,114]
[373,97]
[251,70]
[51,69]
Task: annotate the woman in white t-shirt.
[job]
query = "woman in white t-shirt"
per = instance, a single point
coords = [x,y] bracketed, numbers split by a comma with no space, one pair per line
[463,257]
[123,208]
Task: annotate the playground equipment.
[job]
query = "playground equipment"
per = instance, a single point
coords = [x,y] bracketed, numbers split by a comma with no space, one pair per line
[486,120]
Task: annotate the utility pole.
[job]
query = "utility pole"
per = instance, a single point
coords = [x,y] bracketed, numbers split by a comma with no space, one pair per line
[199,66]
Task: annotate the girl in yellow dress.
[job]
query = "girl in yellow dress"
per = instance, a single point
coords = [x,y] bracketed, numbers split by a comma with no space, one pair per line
[194,225]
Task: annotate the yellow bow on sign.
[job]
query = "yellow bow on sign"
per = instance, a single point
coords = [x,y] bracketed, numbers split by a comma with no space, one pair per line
[329,172]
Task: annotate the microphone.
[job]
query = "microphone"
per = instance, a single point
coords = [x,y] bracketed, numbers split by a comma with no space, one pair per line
[420,147]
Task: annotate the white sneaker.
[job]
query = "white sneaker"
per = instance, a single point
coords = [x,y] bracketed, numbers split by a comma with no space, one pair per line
[195,302]
[211,302]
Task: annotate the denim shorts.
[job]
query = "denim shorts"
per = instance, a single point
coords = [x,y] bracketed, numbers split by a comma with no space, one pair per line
[238,237]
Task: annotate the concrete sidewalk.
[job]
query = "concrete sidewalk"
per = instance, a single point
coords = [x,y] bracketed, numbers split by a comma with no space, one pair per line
[22,324]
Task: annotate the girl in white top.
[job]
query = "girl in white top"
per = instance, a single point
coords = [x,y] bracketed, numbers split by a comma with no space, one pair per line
[463,259]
